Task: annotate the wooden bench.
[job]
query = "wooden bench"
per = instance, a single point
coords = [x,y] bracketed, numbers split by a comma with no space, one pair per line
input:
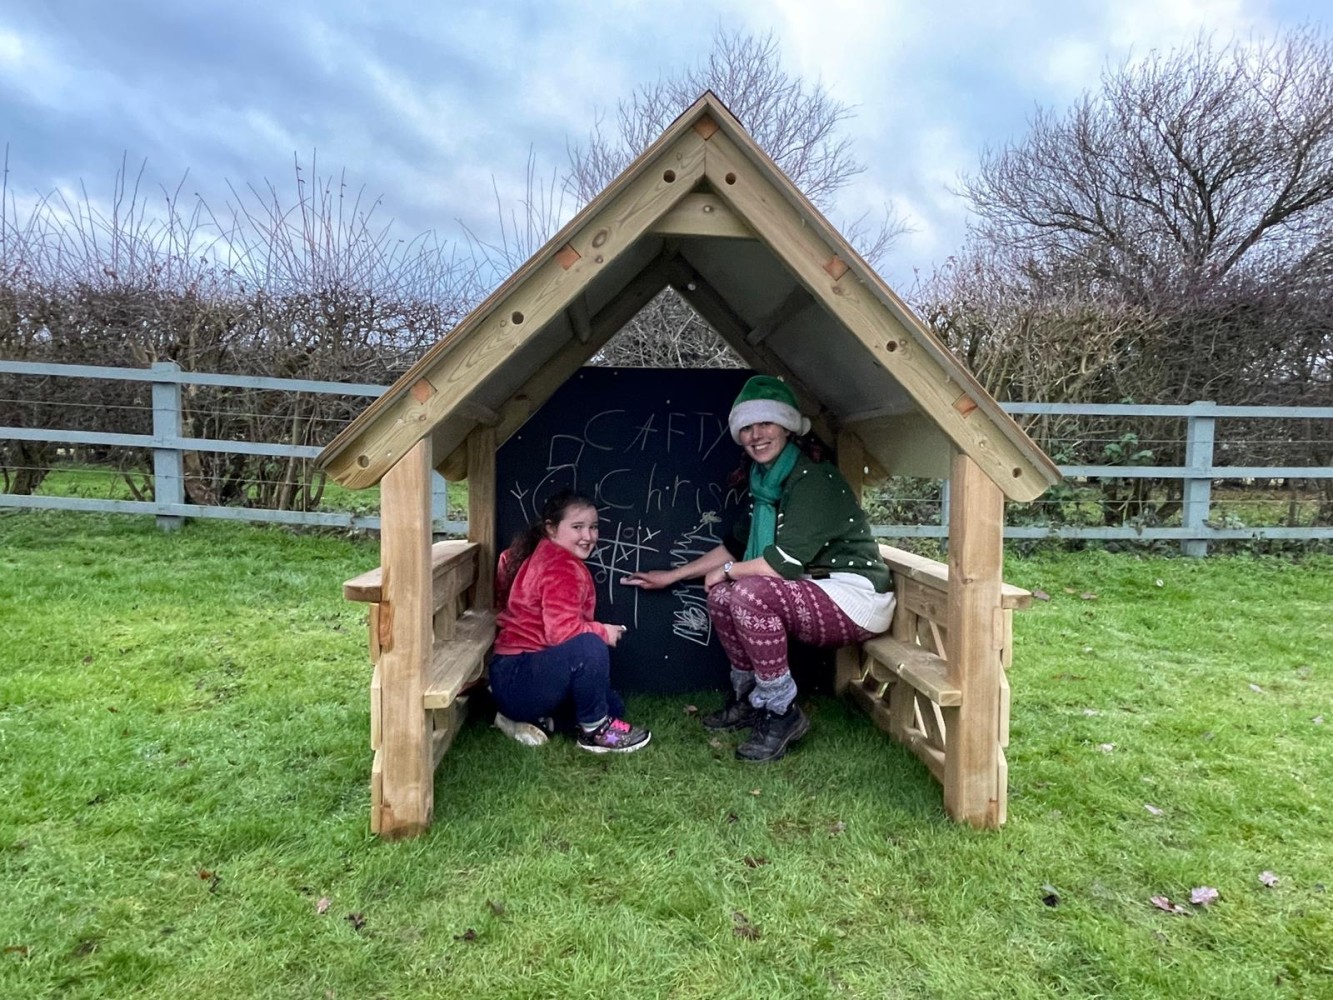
[462,636]
[904,680]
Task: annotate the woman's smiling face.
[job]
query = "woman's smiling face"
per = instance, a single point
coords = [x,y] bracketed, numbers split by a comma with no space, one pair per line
[577,531]
[764,442]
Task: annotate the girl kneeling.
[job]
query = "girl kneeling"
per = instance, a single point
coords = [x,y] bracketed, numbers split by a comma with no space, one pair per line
[550,655]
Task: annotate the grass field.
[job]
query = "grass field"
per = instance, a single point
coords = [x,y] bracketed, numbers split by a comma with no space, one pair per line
[184,766]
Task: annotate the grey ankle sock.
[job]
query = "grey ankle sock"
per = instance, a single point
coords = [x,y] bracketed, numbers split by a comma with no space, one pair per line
[742,682]
[776,695]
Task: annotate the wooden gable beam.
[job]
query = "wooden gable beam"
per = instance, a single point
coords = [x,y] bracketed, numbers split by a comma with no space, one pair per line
[460,363]
[888,341]
[702,214]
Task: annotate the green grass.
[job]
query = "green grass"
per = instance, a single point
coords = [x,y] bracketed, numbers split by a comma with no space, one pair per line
[184,769]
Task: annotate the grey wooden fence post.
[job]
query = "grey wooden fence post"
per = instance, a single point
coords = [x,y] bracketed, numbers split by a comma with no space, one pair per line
[439,502]
[1196,490]
[168,464]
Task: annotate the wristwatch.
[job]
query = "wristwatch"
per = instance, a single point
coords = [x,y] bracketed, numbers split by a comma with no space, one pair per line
[726,568]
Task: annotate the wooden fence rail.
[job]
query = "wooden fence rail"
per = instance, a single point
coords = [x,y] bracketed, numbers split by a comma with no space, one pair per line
[169,444]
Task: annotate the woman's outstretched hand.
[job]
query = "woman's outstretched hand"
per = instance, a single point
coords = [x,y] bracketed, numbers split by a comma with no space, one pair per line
[649,579]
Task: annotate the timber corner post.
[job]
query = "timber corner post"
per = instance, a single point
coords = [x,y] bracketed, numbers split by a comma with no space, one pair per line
[975,772]
[431,626]
[937,681]
[403,770]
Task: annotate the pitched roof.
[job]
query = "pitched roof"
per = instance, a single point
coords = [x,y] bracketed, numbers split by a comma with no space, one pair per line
[705,211]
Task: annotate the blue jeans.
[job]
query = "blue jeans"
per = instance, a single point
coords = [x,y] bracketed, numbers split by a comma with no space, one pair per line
[576,673]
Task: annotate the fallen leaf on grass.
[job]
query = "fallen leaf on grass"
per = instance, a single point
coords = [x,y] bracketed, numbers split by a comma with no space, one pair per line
[743,928]
[1106,747]
[1152,810]
[756,791]
[1204,895]
[691,709]
[1087,595]
[755,861]
[1268,879]
[715,743]
[1041,595]
[1162,903]
[1318,720]
[1159,582]
[1091,711]
[1256,689]
[496,907]
[1050,896]
[17,949]
[467,935]
[733,818]
[357,920]
[837,828]
[323,905]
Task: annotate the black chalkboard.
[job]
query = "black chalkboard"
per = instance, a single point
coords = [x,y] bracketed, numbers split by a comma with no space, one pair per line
[652,448]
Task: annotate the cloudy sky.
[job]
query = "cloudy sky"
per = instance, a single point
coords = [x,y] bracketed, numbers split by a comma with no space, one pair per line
[430,104]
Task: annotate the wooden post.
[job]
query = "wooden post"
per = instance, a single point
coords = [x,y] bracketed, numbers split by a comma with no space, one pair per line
[168,463]
[1195,499]
[852,465]
[481,512]
[973,791]
[439,502]
[406,766]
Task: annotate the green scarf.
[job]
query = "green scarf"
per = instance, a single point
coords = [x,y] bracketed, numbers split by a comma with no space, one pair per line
[766,490]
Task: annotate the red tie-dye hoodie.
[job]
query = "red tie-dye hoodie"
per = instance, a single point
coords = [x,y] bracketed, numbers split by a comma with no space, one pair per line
[552,599]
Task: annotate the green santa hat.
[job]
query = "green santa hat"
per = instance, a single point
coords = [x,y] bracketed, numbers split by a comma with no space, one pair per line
[766,400]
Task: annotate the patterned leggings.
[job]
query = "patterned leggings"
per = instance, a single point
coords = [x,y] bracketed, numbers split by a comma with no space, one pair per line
[754,616]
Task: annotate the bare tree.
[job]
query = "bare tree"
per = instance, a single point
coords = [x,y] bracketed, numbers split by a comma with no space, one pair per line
[1168,238]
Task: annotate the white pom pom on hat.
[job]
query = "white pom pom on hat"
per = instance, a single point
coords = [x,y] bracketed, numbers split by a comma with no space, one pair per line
[765,399]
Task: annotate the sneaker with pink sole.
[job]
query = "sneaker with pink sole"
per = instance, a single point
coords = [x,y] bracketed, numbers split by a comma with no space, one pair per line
[614,736]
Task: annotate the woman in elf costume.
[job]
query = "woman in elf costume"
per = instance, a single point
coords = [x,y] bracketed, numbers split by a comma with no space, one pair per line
[805,566]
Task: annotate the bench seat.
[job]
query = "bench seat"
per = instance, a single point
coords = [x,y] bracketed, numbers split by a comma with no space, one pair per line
[887,659]
[458,662]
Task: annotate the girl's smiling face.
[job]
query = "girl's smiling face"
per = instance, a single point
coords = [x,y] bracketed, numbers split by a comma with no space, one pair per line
[764,442]
[577,531]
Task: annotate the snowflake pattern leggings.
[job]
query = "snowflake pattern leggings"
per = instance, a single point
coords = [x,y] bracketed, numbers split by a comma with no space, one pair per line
[754,616]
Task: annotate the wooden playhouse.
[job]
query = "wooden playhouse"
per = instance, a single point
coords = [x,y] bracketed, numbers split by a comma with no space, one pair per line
[705,211]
